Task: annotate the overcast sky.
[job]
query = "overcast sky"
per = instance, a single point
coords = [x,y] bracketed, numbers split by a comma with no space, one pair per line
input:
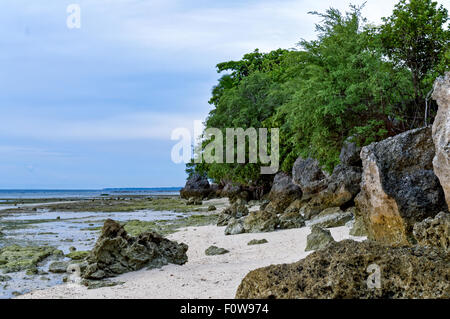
[94,107]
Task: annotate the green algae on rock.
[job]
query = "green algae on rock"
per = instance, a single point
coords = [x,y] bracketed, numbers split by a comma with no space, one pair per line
[165,227]
[257,242]
[214,250]
[77,255]
[341,271]
[318,238]
[17,258]
[116,252]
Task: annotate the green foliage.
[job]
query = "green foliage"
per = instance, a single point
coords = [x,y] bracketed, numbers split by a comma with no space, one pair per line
[353,80]
[417,36]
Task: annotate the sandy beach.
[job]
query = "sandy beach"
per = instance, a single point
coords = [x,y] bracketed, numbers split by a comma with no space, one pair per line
[202,276]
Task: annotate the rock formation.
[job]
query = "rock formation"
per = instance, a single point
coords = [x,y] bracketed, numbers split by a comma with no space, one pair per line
[116,252]
[345,270]
[441,133]
[398,186]
[434,231]
[197,186]
[283,193]
[319,238]
[307,174]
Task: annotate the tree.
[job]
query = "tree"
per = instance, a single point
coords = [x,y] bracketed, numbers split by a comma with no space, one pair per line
[416,36]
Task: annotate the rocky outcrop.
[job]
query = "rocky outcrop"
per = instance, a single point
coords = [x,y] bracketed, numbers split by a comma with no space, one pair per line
[350,154]
[398,186]
[307,174]
[331,217]
[434,231]
[322,191]
[291,219]
[236,210]
[197,186]
[319,238]
[260,222]
[345,270]
[116,252]
[358,228]
[235,227]
[283,193]
[441,133]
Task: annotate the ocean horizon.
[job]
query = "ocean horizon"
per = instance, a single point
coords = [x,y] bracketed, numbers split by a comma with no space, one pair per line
[64,193]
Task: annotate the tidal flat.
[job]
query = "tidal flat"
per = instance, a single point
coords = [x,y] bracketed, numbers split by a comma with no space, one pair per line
[36,234]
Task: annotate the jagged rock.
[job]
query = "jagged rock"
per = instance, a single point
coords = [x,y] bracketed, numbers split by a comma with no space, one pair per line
[260,221]
[350,154]
[58,267]
[257,242]
[211,208]
[116,252]
[231,191]
[331,217]
[223,219]
[283,193]
[398,186]
[307,174]
[295,206]
[292,219]
[358,228]
[341,271]
[235,226]
[434,231]
[197,186]
[319,238]
[4,278]
[236,210]
[441,133]
[214,250]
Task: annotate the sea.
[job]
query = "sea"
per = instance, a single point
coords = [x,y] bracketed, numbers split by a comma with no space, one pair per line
[85,193]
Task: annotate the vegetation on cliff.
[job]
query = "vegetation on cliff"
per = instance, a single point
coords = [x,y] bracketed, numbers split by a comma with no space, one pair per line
[355,80]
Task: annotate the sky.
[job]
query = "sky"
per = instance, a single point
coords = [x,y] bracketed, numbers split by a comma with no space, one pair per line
[94,107]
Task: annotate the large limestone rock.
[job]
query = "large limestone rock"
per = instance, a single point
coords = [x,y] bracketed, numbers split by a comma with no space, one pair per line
[342,271]
[350,154]
[291,219]
[197,186]
[260,222]
[331,217]
[434,231]
[236,210]
[342,187]
[116,252]
[398,186]
[441,133]
[307,174]
[319,238]
[283,193]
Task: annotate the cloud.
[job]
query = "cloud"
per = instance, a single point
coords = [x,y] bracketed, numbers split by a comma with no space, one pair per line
[133,126]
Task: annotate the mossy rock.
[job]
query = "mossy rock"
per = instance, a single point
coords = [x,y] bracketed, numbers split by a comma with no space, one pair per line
[78,255]
[257,242]
[319,238]
[17,258]
[214,250]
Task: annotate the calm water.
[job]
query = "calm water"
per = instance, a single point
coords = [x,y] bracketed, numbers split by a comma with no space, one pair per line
[50,193]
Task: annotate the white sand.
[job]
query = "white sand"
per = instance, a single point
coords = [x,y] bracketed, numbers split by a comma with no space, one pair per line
[202,276]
